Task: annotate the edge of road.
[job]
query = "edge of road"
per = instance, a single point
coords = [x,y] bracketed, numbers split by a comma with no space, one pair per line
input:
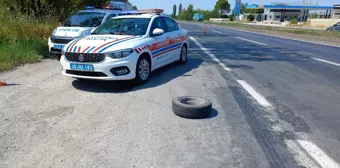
[264,34]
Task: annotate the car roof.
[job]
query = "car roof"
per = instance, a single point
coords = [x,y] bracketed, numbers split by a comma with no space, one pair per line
[137,16]
[147,15]
[99,11]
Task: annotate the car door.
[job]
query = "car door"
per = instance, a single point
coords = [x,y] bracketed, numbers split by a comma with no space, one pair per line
[175,39]
[337,27]
[159,43]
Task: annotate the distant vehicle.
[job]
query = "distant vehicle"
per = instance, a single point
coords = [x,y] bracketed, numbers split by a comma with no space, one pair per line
[126,47]
[79,24]
[335,27]
[198,17]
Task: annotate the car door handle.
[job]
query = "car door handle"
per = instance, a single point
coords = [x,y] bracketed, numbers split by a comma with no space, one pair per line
[168,37]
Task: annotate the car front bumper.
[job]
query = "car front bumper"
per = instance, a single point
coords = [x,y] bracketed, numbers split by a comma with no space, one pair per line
[106,70]
[51,45]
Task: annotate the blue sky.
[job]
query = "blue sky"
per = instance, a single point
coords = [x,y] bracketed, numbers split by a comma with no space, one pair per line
[209,4]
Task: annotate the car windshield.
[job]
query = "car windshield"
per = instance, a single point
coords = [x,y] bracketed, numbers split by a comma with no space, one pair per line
[85,19]
[124,26]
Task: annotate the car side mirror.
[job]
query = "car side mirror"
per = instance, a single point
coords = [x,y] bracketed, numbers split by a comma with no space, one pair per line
[157,32]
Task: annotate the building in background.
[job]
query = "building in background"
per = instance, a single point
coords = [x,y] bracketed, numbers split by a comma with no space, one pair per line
[283,12]
[336,13]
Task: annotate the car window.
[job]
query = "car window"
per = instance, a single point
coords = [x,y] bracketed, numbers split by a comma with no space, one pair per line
[127,26]
[176,25]
[170,24]
[85,19]
[158,23]
[111,16]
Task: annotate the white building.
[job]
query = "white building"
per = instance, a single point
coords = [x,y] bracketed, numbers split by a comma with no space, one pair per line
[283,13]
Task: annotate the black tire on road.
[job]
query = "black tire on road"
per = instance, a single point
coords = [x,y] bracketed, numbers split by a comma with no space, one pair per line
[191,107]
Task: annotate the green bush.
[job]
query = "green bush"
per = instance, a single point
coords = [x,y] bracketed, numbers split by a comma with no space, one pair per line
[231,18]
[293,21]
[250,17]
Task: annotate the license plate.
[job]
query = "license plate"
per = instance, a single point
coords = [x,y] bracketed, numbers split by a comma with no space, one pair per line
[58,46]
[81,67]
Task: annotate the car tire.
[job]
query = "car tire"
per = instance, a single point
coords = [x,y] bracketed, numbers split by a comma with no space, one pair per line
[191,107]
[184,55]
[143,63]
[58,56]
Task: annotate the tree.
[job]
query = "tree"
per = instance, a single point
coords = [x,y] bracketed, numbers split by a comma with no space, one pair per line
[187,14]
[243,8]
[134,7]
[222,6]
[179,9]
[174,10]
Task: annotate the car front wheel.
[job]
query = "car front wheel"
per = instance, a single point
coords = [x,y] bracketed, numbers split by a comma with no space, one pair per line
[184,55]
[143,70]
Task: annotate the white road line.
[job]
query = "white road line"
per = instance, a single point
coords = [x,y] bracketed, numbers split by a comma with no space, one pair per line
[257,96]
[300,155]
[318,155]
[251,41]
[217,31]
[325,61]
[211,55]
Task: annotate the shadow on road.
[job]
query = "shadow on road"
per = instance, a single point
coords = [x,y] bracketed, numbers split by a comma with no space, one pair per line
[157,78]
[213,114]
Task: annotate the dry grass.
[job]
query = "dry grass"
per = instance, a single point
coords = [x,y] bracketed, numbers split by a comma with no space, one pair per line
[23,39]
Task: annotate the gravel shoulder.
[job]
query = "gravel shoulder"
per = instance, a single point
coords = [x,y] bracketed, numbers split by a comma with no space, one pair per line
[47,120]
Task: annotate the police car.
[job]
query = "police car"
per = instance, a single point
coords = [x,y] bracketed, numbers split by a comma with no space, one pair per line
[126,47]
[80,24]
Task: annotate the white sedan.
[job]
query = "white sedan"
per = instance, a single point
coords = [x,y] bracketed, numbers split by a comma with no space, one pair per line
[125,48]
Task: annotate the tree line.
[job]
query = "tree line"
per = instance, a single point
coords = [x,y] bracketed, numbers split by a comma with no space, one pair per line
[43,8]
[221,9]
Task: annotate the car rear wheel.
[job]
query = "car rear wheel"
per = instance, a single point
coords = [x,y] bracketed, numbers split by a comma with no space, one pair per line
[184,55]
[143,70]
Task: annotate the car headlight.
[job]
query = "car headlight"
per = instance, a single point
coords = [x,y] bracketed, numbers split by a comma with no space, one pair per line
[119,54]
[54,32]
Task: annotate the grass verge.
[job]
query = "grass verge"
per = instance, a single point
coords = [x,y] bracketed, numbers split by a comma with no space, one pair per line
[21,52]
[23,39]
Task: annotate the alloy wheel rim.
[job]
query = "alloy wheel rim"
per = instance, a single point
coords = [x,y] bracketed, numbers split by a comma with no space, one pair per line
[144,69]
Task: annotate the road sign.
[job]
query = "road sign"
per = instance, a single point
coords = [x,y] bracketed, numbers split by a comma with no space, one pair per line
[237,9]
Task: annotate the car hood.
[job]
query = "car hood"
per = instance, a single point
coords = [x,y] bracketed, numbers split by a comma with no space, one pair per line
[100,43]
[72,31]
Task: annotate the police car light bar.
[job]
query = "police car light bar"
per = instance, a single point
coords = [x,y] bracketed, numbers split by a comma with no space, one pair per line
[106,7]
[89,7]
[156,11]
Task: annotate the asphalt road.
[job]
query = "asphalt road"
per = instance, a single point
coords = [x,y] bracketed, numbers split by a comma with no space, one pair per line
[276,104]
